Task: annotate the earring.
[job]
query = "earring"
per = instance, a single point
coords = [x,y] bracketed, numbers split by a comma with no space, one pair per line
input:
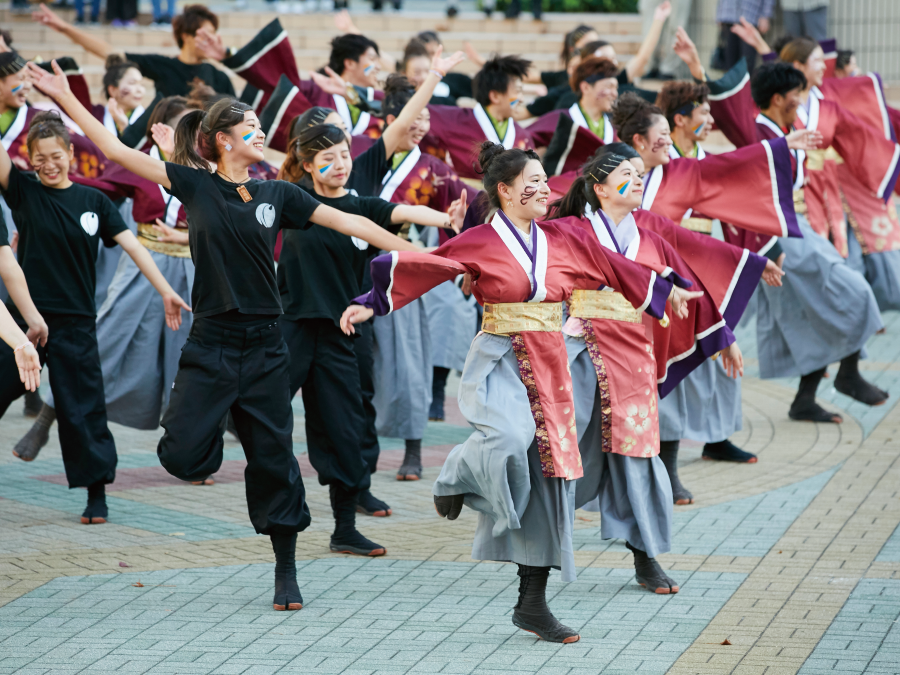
[642,147]
[228,147]
[509,203]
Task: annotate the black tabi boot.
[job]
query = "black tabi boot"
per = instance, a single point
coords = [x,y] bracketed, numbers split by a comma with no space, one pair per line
[668,453]
[346,538]
[370,505]
[33,404]
[31,443]
[804,408]
[438,389]
[726,451]
[95,513]
[531,612]
[449,507]
[649,574]
[411,469]
[287,592]
[850,383]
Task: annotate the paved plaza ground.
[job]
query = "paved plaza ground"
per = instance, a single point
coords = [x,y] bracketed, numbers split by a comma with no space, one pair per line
[786,566]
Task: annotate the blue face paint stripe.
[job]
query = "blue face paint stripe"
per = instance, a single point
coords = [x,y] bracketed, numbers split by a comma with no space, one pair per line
[323,169]
[15,89]
[249,136]
[624,186]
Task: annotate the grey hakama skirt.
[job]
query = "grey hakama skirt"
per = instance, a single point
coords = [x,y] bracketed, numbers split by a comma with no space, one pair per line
[881,270]
[632,494]
[452,322]
[705,406]
[824,311]
[403,372]
[523,517]
[138,352]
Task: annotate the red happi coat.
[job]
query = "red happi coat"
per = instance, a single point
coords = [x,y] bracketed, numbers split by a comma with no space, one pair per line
[876,169]
[635,360]
[89,162]
[457,134]
[497,260]
[750,187]
[544,128]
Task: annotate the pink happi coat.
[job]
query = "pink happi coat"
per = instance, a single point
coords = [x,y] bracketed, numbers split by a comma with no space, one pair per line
[506,270]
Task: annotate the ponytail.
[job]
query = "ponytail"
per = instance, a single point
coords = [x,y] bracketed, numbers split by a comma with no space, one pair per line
[573,202]
[187,137]
[195,137]
[581,193]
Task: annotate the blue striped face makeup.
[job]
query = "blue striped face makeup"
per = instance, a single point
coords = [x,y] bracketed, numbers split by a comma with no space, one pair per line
[324,168]
[369,69]
[622,188]
[249,136]
[513,102]
[697,130]
[17,89]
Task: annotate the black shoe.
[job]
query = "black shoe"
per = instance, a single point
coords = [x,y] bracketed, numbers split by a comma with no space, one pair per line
[287,592]
[96,511]
[449,507]
[346,538]
[810,411]
[726,451]
[668,453]
[531,612]
[33,404]
[850,383]
[411,469]
[649,574]
[370,505]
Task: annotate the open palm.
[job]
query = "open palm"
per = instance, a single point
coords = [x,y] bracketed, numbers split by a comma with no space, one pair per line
[55,86]
[445,65]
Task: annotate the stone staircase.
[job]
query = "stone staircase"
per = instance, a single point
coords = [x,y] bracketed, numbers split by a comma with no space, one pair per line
[311,34]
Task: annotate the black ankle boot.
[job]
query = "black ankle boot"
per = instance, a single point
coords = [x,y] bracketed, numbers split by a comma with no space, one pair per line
[668,453]
[411,469]
[370,505]
[804,408]
[649,574]
[287,592]
[346,538]
[850,383]
[31,443]
[531,612]
[726,451]
[96,512]
[449,507]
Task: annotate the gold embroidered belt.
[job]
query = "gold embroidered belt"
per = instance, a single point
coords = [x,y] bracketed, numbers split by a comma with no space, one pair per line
[149,238]
[800,201]
[473,182]
[602,305]
[702,225]
[519,317]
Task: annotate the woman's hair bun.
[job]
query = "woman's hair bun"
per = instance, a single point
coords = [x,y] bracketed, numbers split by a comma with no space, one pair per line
[397,82]
[114,60]
[489,151]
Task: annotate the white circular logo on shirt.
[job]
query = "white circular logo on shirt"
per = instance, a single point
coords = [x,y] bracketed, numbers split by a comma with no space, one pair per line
[359,243]
[265,214]
[90,222]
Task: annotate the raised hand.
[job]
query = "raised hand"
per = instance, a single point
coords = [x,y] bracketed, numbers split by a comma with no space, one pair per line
[46,17]
[332,84]
[772,274]
[209,44]
[174,304]
[473,54]
[29,364]
[344,23]
[164,137]
[444,66]
[733,360]
[679,298]
[55,86]
[749,34]
[118,115]
[662,11]
[457,212]
[804,139]
[686,50]
[354,314]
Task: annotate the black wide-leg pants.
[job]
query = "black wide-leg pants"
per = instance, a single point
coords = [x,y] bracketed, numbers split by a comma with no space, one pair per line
[71,354]
[245,370]
[364,346]
[324,367]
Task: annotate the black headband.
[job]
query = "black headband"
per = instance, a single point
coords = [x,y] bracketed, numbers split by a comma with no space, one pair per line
[596,77]
[688,108]
[10,63]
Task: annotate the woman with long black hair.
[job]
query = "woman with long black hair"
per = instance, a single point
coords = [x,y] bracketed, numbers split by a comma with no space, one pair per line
[235,358]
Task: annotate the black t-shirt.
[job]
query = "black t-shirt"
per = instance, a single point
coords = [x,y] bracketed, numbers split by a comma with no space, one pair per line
[320,269]
[554,78]
[233,242]
[549,102]
[59,235]
[173,78]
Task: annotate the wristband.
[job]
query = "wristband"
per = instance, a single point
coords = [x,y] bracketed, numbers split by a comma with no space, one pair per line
[21,346]
[438,73]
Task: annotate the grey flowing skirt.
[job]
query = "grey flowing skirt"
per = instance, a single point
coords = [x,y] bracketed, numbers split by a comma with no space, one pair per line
[523,517]
[452,322]
[705,406]
[881,270]
[403,372]
[824,311]
[632,494]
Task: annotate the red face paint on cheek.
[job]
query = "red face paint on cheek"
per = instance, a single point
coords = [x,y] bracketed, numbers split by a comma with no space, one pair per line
[658,144]
[527,193]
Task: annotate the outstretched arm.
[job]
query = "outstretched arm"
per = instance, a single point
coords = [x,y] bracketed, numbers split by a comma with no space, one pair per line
[361,228]
[14,279]
[45,16]
[57,87]
[395,132]
[638,62]
[172,301]
[423,215]
[751,35]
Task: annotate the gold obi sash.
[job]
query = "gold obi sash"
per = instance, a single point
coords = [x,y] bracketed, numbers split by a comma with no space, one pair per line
[701,225]
[473,183]
[149,238]
[815,160]
[518,317]
[800,201]
[602,305]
